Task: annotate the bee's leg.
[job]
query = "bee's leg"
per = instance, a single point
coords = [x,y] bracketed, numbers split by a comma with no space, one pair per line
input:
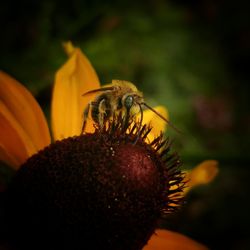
[85,117]
[102,113]
[101,120]
[127,117]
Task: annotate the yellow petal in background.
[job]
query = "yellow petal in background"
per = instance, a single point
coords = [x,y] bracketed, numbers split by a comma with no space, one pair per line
[73,79]
[22,121]
[158,124]
[168,240]
[204,173]
[14,141]
[13,150]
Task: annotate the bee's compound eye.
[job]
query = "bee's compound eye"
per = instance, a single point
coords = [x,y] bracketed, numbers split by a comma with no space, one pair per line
[128,102]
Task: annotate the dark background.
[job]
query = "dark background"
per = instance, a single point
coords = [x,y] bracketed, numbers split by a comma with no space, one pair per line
[191,56]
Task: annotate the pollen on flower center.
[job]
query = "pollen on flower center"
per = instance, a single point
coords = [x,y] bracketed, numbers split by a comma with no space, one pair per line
[137,166]
[106,190]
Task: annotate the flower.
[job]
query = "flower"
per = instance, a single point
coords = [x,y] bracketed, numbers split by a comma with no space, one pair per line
[24,130]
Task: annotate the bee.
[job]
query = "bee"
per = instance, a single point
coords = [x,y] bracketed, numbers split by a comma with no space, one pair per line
[118,97]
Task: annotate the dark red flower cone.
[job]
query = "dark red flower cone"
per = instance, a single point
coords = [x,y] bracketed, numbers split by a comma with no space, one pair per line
[105,190]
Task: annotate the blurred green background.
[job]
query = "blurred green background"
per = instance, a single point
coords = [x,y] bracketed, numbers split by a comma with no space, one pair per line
[191,56]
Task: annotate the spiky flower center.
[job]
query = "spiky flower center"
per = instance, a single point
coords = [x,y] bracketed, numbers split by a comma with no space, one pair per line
[106,190]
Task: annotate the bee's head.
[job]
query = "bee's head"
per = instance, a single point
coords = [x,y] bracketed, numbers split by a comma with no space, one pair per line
[128,101]
[132,101]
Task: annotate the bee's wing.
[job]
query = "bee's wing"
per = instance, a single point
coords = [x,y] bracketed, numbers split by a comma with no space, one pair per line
[103,89]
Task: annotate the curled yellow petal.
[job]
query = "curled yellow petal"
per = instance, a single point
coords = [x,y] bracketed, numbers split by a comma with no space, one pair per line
[73,79]
[204,173]
[164,239]
[22,120]
[158,124]
[68,48]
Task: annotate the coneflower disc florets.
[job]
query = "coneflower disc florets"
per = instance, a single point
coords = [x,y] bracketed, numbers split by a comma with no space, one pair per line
[105,190]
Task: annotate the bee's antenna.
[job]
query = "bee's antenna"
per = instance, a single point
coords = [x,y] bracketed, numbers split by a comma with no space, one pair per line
[162,117]
[141,111]
[140,124]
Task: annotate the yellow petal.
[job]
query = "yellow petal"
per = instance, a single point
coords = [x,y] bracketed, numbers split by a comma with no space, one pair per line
[73,79]
[158,124]
[168,240]
[204,173]
[22,120]
[12,148]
